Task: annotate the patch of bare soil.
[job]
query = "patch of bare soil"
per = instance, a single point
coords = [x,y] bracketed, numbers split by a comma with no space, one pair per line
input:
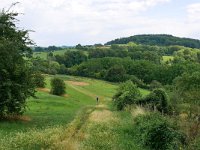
[44,90]
[78,83]
[17,118]
[65,95]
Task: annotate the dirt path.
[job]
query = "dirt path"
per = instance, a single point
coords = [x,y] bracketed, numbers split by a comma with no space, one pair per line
[78,131]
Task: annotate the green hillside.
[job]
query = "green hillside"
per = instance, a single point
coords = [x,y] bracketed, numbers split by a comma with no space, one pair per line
[157,39]
[51,118]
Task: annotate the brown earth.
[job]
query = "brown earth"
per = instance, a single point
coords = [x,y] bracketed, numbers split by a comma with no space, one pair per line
[44,90]
[17,118]
[78,83]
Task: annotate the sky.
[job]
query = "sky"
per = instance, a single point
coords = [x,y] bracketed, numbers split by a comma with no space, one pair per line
[70,22]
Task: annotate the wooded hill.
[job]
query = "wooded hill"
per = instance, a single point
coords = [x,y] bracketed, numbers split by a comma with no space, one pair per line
[157,39]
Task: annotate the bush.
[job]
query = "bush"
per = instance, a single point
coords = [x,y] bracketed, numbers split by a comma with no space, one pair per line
[158,133]
[39,80]
[195,144]
[127,94]
[155,84]
[157,98]
[139,82]
[57,86]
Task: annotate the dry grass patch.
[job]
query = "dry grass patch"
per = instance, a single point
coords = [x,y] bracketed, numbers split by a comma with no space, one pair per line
[17,118]
[135,111]
[101,116]
[78,83]
[183,116]
[65,95]
[46,90]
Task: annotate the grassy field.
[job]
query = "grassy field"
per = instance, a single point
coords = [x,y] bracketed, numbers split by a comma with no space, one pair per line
[52,121]
[43,55]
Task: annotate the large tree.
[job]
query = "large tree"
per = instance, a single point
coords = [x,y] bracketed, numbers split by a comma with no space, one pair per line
[15,70]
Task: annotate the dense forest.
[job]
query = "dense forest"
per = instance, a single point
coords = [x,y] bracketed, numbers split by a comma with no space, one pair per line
[157,39]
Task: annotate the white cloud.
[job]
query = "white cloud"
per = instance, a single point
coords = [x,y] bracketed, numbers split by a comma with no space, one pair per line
[194,12]
[92,21]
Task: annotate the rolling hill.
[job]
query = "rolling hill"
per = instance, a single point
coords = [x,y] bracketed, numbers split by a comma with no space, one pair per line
[157,39]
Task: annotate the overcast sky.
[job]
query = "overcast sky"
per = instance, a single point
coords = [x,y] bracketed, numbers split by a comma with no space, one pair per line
[69,22]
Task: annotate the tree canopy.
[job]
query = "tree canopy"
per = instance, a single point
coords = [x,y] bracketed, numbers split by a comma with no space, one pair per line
[157,39]
[15,70]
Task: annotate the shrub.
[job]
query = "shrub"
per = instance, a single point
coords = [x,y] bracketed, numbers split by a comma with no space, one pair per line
[158,133]
[127,94]
[139,82]
[195,144]
[155,84]
[39,80]
[57,86]
[157,98]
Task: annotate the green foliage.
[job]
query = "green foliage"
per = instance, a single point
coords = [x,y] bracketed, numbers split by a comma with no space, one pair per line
[127,94]
[116,74]
[71,58]
[155,85]
[15,72]
[57,86]
[138,81]
[39,80]
[195,144]
[79,46]
[145,71]
[157,39]
[157,98]
[46,49]
[187,87]
[48,66]
[157,133]
[186,54]
[135,52]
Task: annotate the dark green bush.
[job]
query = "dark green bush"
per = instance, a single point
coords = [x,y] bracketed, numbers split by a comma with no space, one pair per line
[155,84]
[195,144]
[127,94]
[157,98]
[39,80]
[57,86]
[138,82]
[158,133]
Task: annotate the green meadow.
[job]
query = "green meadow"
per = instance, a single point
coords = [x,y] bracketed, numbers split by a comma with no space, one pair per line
[50,117]
[43,55]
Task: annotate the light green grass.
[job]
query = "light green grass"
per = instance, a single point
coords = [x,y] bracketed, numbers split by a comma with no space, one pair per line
[49,110]
[168,58]
[50,116]
[43,55]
